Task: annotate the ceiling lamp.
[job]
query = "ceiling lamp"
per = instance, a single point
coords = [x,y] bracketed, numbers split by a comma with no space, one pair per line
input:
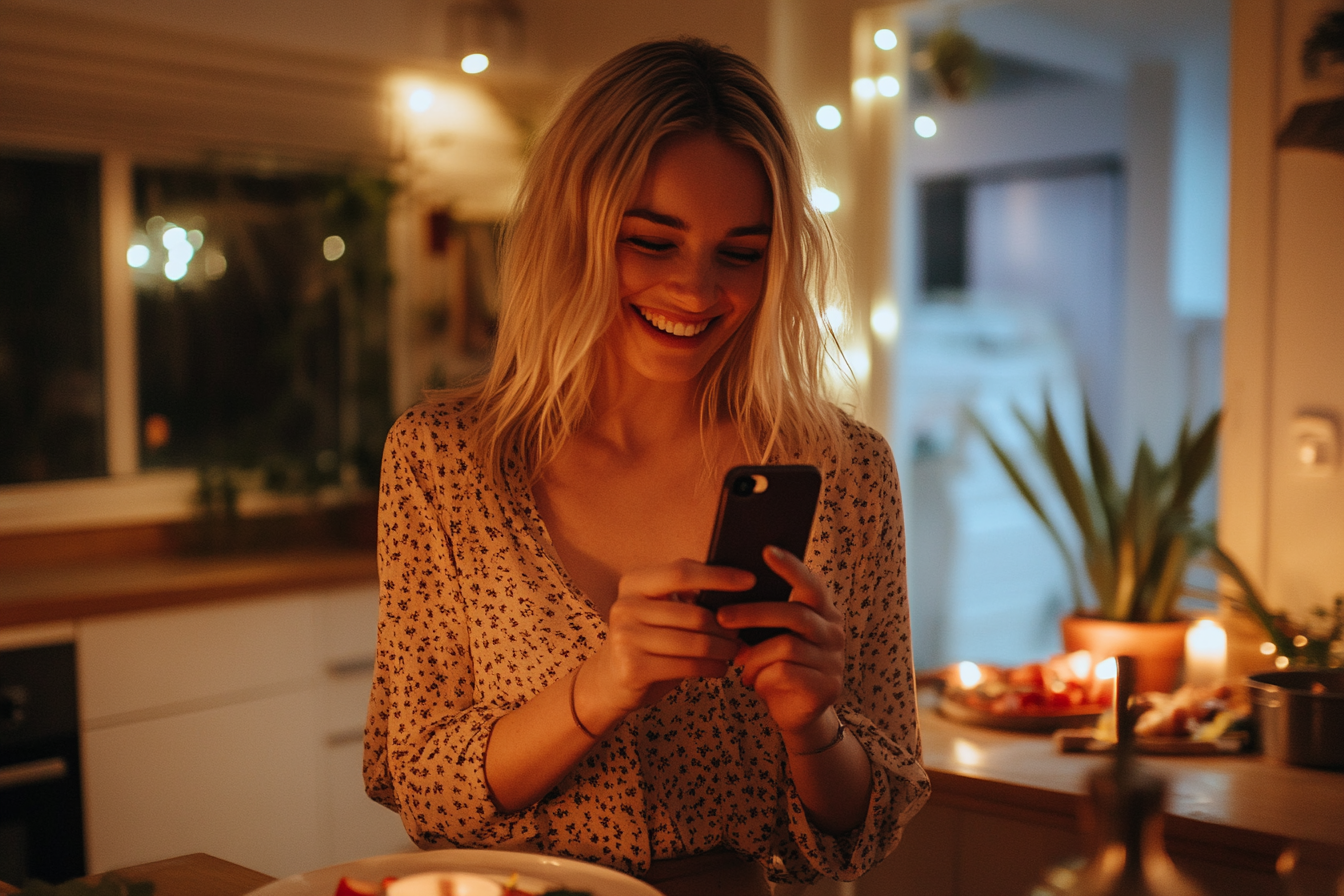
[484,31]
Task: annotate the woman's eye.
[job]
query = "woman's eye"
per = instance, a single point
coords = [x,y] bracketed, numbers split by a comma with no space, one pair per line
[648,245]
[743,256]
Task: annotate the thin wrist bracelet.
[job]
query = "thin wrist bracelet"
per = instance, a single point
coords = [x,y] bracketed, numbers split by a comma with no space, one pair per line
[573,710]
[839,736]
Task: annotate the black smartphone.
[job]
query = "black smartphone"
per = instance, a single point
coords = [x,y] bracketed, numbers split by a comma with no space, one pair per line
[764,505]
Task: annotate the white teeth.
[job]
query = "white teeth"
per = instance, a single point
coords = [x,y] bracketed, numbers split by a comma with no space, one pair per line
[675,329]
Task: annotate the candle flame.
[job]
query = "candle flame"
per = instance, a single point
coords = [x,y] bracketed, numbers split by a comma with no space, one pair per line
[1080,664]
[969,674]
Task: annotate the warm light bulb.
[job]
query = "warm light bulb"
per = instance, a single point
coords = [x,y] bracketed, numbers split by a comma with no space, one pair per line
[824,200]
[888,86]
[925,126]
[885,39]
[828,117]
[864,88]
[884,321]
[420,99]
[475,63]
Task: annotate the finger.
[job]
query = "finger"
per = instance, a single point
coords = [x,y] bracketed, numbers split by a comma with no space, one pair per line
[683,576]
[791,650]
[808,587]
[678,643]
[669,614]
[796,617]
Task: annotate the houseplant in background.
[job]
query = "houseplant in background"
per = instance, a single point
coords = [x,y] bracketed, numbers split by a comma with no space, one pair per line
[1136,539]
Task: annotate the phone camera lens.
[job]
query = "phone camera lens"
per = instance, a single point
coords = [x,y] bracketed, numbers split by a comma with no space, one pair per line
[743,486]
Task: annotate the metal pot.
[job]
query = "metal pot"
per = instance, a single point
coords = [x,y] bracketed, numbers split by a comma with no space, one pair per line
[1301,716]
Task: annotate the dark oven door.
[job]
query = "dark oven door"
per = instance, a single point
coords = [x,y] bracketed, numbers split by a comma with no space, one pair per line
[41,806]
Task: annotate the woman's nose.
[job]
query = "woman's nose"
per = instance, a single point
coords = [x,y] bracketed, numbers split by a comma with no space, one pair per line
[696,280]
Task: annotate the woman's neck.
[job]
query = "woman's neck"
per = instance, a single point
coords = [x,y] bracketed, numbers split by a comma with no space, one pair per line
[636,415]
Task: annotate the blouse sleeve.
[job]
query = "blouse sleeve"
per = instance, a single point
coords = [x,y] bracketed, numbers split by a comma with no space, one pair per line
[425,739]
[878,707]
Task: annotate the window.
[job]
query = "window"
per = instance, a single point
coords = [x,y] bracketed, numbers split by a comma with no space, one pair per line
[51,363]
[261,307]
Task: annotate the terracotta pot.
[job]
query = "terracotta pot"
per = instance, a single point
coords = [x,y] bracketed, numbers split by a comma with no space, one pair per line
[1158,648]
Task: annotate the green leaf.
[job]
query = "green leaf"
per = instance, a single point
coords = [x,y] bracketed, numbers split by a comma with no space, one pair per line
[1067,478]
[1010,467]
[1103,478]
[1250,599]
[1167,589]
[1196,460]
[1117,606]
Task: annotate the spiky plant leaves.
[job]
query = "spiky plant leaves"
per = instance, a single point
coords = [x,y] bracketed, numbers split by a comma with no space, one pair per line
[1066,476]
[1024,488]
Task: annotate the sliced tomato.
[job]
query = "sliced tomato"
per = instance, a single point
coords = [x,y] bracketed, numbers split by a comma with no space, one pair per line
[349,886]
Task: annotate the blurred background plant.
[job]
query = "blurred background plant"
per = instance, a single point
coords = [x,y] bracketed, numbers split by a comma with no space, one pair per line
[1137,540]
[1316,641]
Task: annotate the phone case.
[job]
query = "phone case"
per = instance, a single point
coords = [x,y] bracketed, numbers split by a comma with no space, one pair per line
[760,506]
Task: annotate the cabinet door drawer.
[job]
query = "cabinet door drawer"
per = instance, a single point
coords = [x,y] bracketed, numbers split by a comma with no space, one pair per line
[183,658]
[241,782]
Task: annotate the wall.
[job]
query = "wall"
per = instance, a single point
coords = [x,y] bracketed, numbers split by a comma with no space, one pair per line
[1285,320]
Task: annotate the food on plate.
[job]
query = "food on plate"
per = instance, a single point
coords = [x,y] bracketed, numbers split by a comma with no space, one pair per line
[1199,713]
[1064,684]
[446,883]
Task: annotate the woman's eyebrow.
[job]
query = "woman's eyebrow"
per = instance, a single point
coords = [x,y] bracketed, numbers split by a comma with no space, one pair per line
[676,223]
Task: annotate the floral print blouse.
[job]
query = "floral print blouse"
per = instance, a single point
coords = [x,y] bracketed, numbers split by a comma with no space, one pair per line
[478,615]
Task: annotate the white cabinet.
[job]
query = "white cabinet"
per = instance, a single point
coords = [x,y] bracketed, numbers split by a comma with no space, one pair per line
[231,728]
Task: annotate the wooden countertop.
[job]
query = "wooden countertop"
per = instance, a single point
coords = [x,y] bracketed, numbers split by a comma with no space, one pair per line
[1240,802]
[74,590]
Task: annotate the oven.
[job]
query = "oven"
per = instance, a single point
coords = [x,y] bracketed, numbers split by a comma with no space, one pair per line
[41,807]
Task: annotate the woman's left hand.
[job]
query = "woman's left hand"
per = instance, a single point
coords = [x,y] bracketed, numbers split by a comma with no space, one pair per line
[799,674]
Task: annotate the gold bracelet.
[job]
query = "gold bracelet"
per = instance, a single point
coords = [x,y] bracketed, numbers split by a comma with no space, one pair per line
[573,710]
[839,736]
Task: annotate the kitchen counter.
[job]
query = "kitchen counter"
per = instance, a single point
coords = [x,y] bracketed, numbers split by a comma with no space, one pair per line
[1014,796]
[75,590]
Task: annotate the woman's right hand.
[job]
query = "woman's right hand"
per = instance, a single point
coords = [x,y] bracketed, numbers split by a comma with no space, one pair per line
[656,637]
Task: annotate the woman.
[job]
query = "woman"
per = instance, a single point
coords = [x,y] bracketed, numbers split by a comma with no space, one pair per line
[545,679]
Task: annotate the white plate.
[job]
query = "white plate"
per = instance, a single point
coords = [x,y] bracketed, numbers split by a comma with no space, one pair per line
[534,871]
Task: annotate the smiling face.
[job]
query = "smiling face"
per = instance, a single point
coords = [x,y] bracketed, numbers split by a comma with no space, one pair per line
[690,256]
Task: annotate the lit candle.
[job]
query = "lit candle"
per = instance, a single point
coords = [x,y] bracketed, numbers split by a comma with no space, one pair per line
[1205,653]
[968,675]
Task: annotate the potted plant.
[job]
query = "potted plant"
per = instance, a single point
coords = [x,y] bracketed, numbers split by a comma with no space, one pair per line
[1137,539]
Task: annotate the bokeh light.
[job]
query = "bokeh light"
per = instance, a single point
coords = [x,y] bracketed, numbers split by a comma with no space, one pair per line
[888,86]
[333,247]
[824,200]
[828,117]
[925,126]
[420,99]
[475,63]
[885,39]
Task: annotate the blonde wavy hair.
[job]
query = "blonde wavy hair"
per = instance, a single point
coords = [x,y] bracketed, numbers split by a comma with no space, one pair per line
[558,276]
